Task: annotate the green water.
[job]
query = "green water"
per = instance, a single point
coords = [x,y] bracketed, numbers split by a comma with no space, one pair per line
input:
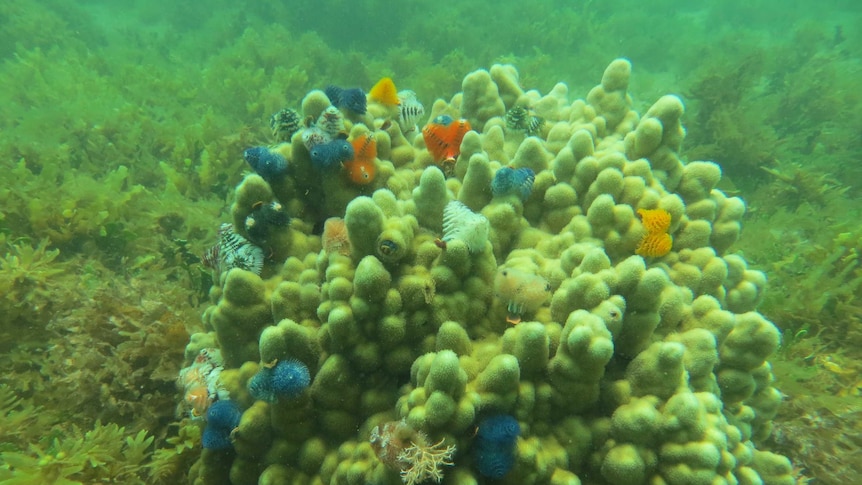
[121,144]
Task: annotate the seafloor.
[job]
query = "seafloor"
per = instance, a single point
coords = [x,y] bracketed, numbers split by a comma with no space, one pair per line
[121,143]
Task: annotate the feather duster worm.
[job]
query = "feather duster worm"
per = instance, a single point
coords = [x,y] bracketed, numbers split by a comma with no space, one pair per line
[288,379]
[655,245]
[334,238]
[521,118]
[361,169]
[200,382]
[459,222]
[263,219]
[523,292]
[384,92]
[222,418]
[410,111]
[284,124]
[655,220]
[233,251]
[352,99]
[518,181]
[331,121]
[443,138]
[656,242]
[330,155]
[313,136]
[268,164]
[495,444]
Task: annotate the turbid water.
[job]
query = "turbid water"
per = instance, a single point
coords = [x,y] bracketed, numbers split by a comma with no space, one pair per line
[545,330]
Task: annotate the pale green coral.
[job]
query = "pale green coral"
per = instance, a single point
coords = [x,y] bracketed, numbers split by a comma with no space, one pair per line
[610,99]
[289,340]
[577,368]
[364,221]
[239,316]
[439,399]
[430,198]
[481,98]
[615,372]
[475,192]
[529,343]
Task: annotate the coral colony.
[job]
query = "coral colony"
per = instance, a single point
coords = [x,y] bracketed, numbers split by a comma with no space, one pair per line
[530,288]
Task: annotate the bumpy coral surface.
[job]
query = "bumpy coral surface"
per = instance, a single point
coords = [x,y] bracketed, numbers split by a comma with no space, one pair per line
[619,369]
